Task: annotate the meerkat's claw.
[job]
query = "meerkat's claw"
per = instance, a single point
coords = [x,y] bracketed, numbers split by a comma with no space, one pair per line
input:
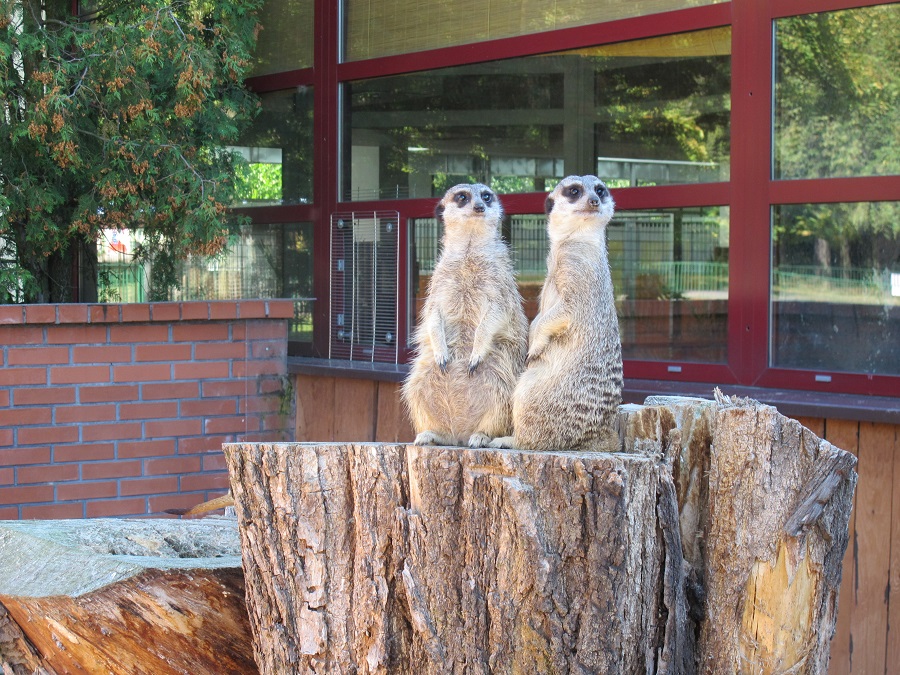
[479,440]
[426,438]
[442,362]
[473,364]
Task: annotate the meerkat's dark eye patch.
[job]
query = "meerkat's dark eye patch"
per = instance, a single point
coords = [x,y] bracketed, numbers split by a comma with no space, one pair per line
[602,191]
[573,192]
[461,198]
[486,197]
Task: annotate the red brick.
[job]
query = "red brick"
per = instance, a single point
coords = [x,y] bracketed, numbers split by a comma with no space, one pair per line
[256,368]
[168,428]
[14,377]
[92,490]
[268,349]
[252,309]
[6,437]
[199,332]
[213,406]
[108,393]
[171,465]
[148,486]
[143,411]
[158,505]
[73,313]
[20,417]
[85,413]
[215,462]
[205,481]
[43,395]
[41,435]
[40,313]
[6,476]
[9,513]
[225,388]
[165,311]
[111,432]
[133,449]
[119,469]
[105,313]
[139,334]
[25,495]
[174,390]
[135,506]
[204,370]
[191,311]
[261,404]
[180,352]
[79,374]
[223,309]
[4,398]
[55,473]
[211,351]
[30,356]
[188,446]
[281,308]
[84,452]
[144,373]
[233,425]
[261,330]
[53,511]
[21,335]
[66,334]
[102,354]
[12,314]
[136,312]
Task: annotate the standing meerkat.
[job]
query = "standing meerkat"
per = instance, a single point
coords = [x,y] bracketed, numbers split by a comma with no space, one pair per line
[572,385]
[472,335]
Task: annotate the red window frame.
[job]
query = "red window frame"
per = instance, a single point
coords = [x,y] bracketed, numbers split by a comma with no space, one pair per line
[750,193]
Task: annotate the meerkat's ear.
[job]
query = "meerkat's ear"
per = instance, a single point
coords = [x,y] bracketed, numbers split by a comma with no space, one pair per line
[439,212]
[548,205]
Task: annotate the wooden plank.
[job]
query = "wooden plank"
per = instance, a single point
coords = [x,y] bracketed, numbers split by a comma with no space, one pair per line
[845,435]
[354,409]
[893,645]
[315,408]
[392,424]
[869,625]
[815,425]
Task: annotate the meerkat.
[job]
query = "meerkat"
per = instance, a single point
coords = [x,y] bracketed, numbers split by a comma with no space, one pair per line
[472,336]
[568,395]
[222,502]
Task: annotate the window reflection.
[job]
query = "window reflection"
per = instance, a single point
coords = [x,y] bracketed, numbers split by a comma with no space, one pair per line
[286,39]
[649,112]
[837,94]
[279,152]
[836,287]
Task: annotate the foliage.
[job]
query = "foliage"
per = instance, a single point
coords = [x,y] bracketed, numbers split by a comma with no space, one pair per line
[118,119]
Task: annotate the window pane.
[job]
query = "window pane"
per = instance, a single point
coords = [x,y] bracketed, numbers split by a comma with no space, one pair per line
[641,113]
[385,27]
[837,94]
[669,269]
[279,150]
[286,39]
[836,287]
[670,275]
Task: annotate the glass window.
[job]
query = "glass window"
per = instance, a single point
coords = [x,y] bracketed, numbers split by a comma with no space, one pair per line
[384,27]
[286,39]
[279,150]
[649,112]
[836,287]
[837,94]
[670,275]
[669,270]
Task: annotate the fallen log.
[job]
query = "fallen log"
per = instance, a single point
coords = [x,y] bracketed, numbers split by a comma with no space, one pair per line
[385,558]
[123,596]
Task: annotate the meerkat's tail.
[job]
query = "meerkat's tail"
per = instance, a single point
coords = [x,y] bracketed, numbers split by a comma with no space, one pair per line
[211,505]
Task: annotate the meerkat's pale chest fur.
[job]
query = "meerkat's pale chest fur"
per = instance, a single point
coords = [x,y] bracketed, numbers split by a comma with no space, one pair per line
[471,339]
[572,386]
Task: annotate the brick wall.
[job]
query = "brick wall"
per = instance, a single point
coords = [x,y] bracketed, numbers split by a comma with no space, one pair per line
[112,410]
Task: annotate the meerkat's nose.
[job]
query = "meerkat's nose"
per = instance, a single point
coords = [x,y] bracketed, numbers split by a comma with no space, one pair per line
[479,207]
[594,201]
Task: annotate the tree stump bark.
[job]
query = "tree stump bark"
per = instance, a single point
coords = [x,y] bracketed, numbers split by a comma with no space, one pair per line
[122,596]
[669,557]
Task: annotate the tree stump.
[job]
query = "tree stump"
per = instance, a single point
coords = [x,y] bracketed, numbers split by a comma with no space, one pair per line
[122,596]
[667,557]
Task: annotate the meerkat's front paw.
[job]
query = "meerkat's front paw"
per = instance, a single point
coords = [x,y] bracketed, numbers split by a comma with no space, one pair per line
[474,362]
[503,442]
[479,440]
[442,360]
[533,355]
[427,438]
